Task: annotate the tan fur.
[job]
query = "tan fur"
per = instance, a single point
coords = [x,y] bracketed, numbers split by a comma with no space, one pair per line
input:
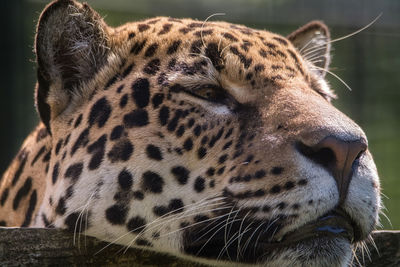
[274,99]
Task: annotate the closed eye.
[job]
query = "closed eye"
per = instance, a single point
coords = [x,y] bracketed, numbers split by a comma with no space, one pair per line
[209,92]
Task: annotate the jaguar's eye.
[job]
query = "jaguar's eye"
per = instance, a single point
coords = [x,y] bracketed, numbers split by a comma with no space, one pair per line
[210,93]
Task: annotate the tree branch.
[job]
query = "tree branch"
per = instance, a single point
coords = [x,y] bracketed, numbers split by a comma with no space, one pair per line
[44,247]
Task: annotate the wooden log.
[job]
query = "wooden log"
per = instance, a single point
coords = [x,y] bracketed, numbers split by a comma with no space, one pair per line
[55,247]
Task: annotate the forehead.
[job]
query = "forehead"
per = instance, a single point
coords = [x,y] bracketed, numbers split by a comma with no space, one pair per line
[242,54]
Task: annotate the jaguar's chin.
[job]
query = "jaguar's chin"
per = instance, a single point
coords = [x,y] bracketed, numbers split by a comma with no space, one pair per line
[325,241]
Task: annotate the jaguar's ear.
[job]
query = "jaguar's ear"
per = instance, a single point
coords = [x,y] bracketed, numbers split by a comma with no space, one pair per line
[313,43]
[71,45]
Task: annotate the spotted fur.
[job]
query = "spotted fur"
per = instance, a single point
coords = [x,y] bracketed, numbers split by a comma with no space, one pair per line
[187,137]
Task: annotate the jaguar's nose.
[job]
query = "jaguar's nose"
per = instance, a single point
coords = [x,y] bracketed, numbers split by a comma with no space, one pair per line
[338,157]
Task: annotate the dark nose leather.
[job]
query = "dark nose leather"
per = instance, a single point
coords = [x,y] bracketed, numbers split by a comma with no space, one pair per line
[338,157]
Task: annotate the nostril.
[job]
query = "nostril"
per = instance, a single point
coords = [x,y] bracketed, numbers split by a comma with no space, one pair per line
[323,156]
[337,156]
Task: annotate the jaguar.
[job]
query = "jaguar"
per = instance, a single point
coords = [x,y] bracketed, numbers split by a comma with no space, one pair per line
[206,140]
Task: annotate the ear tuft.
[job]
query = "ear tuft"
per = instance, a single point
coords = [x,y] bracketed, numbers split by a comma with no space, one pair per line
[71,45]
[313,43]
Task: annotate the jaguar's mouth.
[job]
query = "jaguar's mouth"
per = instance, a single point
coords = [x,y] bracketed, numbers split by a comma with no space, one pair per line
[335,223]
[252,246]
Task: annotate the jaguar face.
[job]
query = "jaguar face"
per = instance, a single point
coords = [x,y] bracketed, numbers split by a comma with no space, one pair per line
[206,140]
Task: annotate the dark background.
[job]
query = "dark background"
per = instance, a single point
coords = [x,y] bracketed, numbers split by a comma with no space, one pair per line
[369,62]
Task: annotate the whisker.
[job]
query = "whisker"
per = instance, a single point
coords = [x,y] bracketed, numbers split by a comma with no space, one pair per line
[334,75]
[158,219]
[358,31]
[205,21]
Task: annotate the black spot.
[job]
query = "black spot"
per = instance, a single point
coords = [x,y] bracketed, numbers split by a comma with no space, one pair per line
[197,130]
[151,50]
[175,205]
[116,132]
[174,121]
[260,174]
[126,72]
[46,222]
[266,208]
[54,176]
[230,37]
[153,152]
[227,145]
[136,224]
[221,170]
[138,195]
[123,101]
[181,174]
[302,182]
[152,182]
[58,146]
[67,140]
[37,156]
[173,47]
[100,112]
[258,68]
[81,141]
[281,40]
[22,192]
[296,206]
[111,81]
[188,144]
[143,27]
[281,205]
[160,210]
[61,208]
[289,185]
[157,100]
[276,170]
[166,29]
[31,208]
[74,171]
[137,47]
[229,133]
[202,152]
[245,61]
[131,35]
[222,159]
[199,184]
[76,222]
[141,93]
[116,214]
[78,121]
[152,67]
[196,47]
[216,137]
[214,55]
[136,118]
[275,189]
[171,64]
[121,151]
[210,171]
[3,223]
[180,131]
[22,157]
[97,150]
[4,196]
[163,115]
[190,122]
[212,183]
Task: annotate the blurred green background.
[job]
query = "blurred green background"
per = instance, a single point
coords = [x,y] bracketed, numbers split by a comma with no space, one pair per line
[369,62]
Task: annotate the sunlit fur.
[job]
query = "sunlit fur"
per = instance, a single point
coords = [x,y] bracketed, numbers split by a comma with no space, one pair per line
[186,190]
